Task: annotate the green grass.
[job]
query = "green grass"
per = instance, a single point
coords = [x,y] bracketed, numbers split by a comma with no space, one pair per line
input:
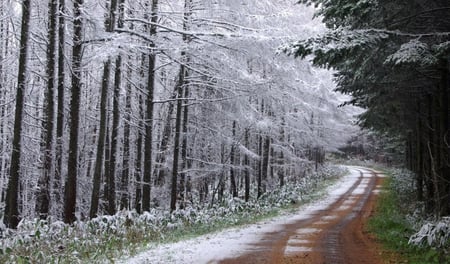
[390,226]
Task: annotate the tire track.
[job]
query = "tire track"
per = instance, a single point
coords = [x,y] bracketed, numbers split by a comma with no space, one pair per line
[317,239]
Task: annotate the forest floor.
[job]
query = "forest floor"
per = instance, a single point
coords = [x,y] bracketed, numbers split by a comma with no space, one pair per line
[330,230]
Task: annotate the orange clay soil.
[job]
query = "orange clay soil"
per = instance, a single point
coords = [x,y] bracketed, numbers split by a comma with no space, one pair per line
[335,235]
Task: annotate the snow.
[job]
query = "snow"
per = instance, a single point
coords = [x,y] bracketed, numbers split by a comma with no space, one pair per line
[211,248]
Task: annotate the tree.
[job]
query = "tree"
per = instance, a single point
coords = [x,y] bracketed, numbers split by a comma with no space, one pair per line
[393,59]
[43,196]
[70,187]
[12,215]
[61,103]
[148,139]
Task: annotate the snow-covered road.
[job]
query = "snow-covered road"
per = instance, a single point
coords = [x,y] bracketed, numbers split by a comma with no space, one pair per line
[212,248]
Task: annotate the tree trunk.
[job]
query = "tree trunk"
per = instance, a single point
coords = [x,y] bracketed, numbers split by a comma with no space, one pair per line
[116,112]
[419,157]
[101,142]
[176,144]
[182,84]
[281,172]
[43,195]
[265,163]
[61,104]
[148,142]
[259,164]
[444,179]
[233,186]
[247,167]
[114,136]
[160,170]
[184,146]
[12,217]
[138,162]
[124,200]
[2,102]
[70,188]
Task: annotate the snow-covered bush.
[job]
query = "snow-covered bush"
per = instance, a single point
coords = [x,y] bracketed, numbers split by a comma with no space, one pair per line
[433,234]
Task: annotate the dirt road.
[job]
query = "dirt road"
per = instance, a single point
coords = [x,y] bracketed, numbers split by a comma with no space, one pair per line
[331,235]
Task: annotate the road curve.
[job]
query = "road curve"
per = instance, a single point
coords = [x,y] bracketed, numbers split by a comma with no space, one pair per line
[333,234]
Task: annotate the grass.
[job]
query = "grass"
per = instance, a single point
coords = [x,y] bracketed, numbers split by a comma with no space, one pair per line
[390,226]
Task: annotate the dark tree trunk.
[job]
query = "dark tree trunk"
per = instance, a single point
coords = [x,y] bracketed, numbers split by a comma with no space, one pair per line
[246,167]
[419,157]
[124,199]
[160,170]
[70,188]
[114,139]
[184,146]
[265,163]
[259,169]
[2,95]
[116,112]
[101,142]
[107,164]
[43,195]
[148,142]
[430,200]
[12,217]
[233,186]
[281,172]
[61,105]
[176,144]
[138,162]
[444,179]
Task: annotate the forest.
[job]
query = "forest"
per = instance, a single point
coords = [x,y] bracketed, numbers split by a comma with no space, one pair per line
[125,118]
[394,60]
[132,105]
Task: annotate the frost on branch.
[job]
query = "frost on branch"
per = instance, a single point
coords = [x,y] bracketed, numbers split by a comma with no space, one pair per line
[414,51]
[442,49]
[433,234]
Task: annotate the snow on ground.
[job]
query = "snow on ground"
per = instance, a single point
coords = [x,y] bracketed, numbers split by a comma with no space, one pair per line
[235,241]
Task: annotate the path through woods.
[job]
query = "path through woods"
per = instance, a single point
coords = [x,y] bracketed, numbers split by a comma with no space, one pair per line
[332,235]
[330,230]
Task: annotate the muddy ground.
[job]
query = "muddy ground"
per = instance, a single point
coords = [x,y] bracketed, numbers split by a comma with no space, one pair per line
[335,235]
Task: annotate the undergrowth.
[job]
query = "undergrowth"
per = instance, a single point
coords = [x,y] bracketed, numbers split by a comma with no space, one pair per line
[394,223]
[106,238]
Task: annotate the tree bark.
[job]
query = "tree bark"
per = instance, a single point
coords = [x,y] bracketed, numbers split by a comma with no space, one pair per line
[233,186]
[138,162]
[444,179]
[95,197]
[70,188]
[281,172]
[419,157]
[124,200]
[176,144]
[43,195]
[160,170]
[184,146]
[12,217]
[247,167]
[61,104]
[148,142]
